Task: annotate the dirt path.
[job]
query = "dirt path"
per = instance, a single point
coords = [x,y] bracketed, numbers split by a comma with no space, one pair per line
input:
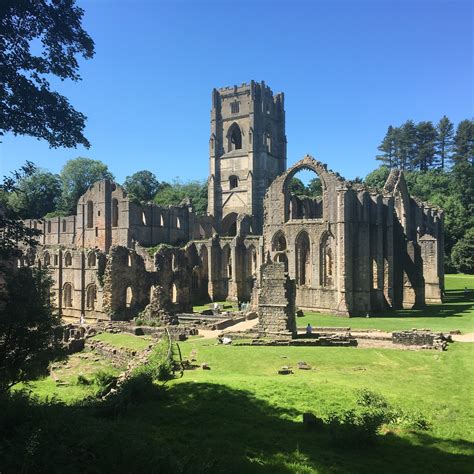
[469,337]
[243,326]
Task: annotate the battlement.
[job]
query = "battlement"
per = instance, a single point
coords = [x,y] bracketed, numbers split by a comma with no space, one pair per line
[252,87]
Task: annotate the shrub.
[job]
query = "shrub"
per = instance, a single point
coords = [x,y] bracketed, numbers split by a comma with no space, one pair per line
[82,380]
[103,379]
[358,427]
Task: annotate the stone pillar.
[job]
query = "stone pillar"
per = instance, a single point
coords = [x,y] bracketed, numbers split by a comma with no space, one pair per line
[276,302]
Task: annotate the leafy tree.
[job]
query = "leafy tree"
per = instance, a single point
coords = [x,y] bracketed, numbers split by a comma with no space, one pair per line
[312,190]
[444,140]
[378,177]
[142,186]
[36,195]
[462,255]
[41,39]
[174,194]
[425,146]
[27,321]
[407,145]
[76,176]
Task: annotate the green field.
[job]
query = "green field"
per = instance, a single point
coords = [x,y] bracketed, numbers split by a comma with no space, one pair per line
[123,341]
[456,313]
[241,416]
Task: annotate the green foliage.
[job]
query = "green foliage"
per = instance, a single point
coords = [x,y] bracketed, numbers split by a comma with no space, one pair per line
[312,190]
[83,380]
[177,192]
[27,323]
[36,195]
[142,186]
[160,363]
[462,255]
[41,39]
[103,378]
[378,177]
[76,177]
[444,141]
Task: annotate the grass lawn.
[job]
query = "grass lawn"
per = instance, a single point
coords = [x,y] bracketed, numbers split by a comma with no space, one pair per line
[62,381]
[456,313]
[124,341]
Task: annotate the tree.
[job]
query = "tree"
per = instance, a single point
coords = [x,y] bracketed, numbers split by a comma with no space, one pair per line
[462,255]
[36,195]
[76,176]
[142,186]
[425,140]
[312,190]
[444,140]
[407,145]
[464,143]
[174,194]
[388,147]
[40,39]
[27,321]
[378,177]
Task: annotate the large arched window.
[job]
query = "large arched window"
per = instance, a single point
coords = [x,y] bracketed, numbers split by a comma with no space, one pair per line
[67,295]
[234,138]
[303,259]
[114,213]
[67,259]
[303,195]
[64,225]
[91,296]
[268,141]
[46,259]
[49,227]
[90,215]
[279,242]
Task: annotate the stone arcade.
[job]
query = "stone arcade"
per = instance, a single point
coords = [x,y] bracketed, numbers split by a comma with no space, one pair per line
[353,250]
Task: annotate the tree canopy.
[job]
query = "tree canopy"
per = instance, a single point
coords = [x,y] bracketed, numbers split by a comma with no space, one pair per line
[173,194]
[40,39]
[142,186]
[76,176]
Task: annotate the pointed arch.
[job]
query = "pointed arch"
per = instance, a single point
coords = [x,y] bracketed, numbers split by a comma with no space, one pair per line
[91,296]
[67,295]
[90,215]
[115,213]
[279,242]
[326,259]
[303,259]
[234,137]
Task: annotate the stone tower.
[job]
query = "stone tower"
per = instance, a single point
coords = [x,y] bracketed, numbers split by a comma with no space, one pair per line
[247,151]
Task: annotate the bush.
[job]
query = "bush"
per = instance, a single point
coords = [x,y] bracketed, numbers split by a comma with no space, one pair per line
[82,380]
[358,427]
[103,379]
[160,363]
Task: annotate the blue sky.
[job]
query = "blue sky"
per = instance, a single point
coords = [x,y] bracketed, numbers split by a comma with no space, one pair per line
[348,70]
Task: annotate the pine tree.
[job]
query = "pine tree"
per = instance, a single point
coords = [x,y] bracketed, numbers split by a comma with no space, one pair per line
[464,143]
[388,148]
[407,145]
[444,140]
[425,146]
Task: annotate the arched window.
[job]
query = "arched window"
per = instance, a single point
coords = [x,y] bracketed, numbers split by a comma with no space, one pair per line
[174,294]
[143,218]
[128,297]
[114,213]
[233,181]
[279,242]
[227,262]
[326,261]
[91,296]
[252,260]
[152,292]
[64,225]
[195,279]
[234,138]
[303,259]
[229,224]
[49,227]
[91,259]
[178,223]
[129,260]
[268,141]
[46,259]
[173,263]
[67,259]
[67,295]
[90,215]
[162,221]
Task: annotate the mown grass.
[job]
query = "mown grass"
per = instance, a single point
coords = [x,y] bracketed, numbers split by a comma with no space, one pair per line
[123,340]
[456,313]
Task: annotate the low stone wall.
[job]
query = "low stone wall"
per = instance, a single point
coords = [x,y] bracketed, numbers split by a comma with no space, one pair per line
[119,357]
[424,338]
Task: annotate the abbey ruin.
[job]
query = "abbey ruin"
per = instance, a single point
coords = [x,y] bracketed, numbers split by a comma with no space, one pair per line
[352,250]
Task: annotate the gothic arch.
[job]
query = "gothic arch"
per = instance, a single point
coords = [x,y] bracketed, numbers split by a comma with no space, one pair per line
[226,262]
[279,243]
[304,265]
[234,137]
[91,296]
[67,295]
[326,259]
[90,215]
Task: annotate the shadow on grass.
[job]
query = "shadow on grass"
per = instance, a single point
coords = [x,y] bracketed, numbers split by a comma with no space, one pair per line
[199,427]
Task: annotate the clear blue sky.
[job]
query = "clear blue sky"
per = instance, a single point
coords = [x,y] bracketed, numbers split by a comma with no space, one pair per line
[348,69]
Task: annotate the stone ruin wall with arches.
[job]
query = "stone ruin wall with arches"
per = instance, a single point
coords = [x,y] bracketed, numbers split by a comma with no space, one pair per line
[352,250]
